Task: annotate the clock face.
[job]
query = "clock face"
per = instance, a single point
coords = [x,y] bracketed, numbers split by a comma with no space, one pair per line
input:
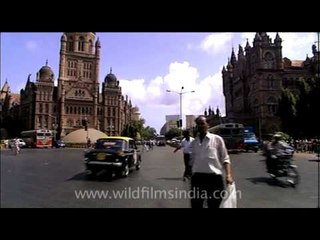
[268,56]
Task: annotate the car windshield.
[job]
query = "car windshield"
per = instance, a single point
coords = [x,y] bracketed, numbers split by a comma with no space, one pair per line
[249,136]
[114,144]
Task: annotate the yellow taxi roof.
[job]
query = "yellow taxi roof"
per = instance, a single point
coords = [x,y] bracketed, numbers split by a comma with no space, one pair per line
[118,137]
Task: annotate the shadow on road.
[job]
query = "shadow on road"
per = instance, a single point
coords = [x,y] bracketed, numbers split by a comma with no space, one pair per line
[314,160]
[269,181]
[171,179]
[84,177]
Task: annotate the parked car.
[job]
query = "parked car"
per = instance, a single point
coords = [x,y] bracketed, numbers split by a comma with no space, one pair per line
[59,144]
[111,155]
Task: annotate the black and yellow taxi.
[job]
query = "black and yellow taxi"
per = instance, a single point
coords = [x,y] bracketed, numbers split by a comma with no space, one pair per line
[114,154]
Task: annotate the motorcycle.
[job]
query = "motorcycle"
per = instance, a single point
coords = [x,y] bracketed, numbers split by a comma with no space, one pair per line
[282,167]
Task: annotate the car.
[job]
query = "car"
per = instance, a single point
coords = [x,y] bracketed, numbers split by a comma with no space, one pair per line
[59,144]
[251,142]
[116,154]
[22,143]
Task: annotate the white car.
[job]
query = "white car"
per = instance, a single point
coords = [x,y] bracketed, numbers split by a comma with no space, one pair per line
[22,143]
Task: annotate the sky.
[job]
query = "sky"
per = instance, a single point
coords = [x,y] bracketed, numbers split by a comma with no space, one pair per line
[147,64]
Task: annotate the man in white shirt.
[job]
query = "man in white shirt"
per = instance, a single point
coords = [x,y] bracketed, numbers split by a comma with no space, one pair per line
[186,146]
[209,157]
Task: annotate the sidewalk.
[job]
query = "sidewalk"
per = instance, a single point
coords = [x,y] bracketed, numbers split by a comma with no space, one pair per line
[307,155]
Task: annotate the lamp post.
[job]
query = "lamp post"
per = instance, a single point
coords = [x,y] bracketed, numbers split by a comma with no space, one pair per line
[180,94]
[54,126]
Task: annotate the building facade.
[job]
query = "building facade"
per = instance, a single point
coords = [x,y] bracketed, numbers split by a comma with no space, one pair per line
[253,82]
[76,100]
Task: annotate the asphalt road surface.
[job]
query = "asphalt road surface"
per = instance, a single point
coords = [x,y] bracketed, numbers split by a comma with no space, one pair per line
[55,178]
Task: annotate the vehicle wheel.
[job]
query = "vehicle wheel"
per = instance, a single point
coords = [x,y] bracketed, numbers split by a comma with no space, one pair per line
[89,174]
[124,172]
[293,177]
[138,166]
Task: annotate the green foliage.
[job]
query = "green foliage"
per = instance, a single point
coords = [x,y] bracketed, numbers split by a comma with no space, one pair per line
[173,132]
[299,110]
[136,130]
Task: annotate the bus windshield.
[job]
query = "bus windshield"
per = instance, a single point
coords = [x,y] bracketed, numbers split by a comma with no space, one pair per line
[232,134]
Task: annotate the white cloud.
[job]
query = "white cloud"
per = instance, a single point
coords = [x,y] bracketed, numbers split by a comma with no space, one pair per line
[135,89]
[155,102]
[294,45]
[216,43]
[31,46]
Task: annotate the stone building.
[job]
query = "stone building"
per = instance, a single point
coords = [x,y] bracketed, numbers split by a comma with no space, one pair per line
[253,81]
[76,99]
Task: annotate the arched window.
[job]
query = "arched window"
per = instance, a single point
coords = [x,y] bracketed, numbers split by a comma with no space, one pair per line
[70,44]
[40,108]
[270,82]
[90,46]
[272,105]
[81,44]
[40,122]
[67,110]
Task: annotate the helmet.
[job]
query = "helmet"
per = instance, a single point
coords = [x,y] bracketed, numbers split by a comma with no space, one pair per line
[277,136]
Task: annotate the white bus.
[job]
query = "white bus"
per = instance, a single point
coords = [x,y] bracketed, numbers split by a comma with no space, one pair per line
[38,138]
[232,134]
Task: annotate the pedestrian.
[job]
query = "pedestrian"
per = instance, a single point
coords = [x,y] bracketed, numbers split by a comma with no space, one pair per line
[6,143]
[16,147]
[186,146]
[210,160]
[89,143]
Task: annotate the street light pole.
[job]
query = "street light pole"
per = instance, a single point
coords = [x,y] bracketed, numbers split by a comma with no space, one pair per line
[180,94]
[180,119]
[54,127]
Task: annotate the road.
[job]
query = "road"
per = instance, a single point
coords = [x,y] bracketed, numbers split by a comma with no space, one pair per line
[55,178]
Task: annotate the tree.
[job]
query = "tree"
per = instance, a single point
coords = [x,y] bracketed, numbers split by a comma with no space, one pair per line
[304,113]
[298,110]
[172,133]
[149,133]
[287,111]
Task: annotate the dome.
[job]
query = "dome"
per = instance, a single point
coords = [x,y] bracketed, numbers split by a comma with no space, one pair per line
[110,78]
[80,136]
[46,71]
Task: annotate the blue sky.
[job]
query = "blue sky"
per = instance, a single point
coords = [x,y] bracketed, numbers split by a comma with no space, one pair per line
[147,64]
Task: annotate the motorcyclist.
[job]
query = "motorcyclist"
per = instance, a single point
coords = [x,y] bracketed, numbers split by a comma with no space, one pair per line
[274,149]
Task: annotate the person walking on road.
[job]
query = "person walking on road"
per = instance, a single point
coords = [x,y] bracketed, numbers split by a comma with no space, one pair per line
[186,146]
[209,159]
